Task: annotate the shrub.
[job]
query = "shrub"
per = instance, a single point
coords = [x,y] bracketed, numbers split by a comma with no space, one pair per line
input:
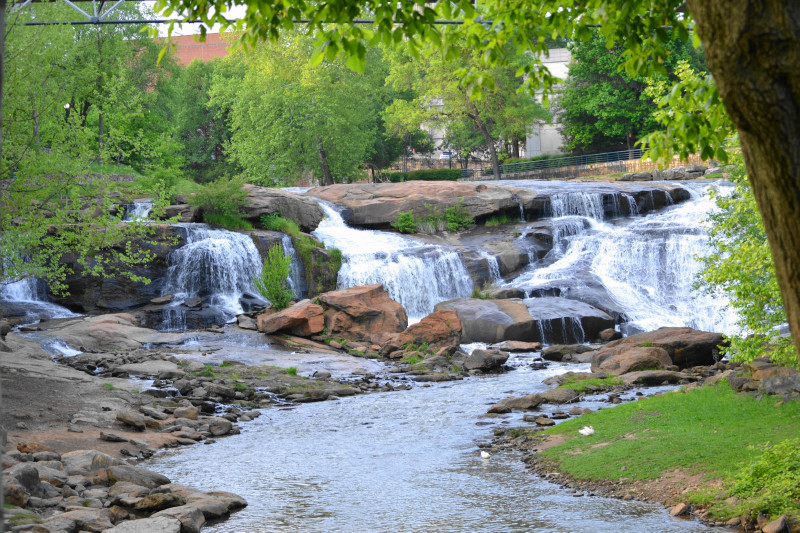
[405,223]
[457,217]
[771,481]
[227,221]
[271,282]
[292,371]
[275,222]
[433,174]
[220,197]
[497,220]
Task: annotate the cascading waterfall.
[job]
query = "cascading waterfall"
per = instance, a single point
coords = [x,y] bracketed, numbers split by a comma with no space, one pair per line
[494,265]
[296,280]
[137,210]
[28,298]
[646,264]
[577,203]
[415,274]
[215,265]
[521,207]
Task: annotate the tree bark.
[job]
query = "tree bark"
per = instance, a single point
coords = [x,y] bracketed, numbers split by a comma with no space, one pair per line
[487,137]
[753,51]
[323,162]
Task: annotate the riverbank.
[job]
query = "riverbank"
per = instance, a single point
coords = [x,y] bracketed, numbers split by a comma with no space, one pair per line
[695,450]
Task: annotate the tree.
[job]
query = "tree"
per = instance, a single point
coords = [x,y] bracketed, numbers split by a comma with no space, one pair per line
[752,49]
[443,100]
[289,117]
[603,108]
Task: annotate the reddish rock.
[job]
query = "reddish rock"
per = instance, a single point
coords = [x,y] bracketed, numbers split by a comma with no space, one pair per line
[305,211]
[686,347]
[518,346]
[363,313]
[630,359]
[303,319]
[609,334]
[440,328]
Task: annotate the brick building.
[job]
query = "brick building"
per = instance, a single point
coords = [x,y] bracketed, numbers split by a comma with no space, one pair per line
[187,48]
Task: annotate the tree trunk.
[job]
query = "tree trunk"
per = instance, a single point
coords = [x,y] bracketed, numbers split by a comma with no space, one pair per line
[487,137]
[753,50]
[35,125]
[515,148]
[323,162]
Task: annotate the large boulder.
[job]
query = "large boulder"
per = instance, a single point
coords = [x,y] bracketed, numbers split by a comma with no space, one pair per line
[363,313]
[492,321]
[562,321]
[305,211]
[486,360]
[303,319]
[686,347]
[107,333]
[441,329]
[630,359]
[93,294]
[377,205]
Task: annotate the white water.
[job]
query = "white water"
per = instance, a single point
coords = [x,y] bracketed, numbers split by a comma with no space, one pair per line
[137,210]
[215,265]
[31,294]
[647,264]
[416,274]
[577,203]
[296,280]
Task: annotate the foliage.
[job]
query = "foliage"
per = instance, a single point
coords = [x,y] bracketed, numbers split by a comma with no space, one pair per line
[222,196]
[457,217]
[321,266]
[740,265]
[290,119]
[435,174]
[275,222]
[271,282]
[497,220]
[604,108]
[659,434]
[770,482]
[227,221]
[292,371]
[592,384]
[691,116]
[405,223]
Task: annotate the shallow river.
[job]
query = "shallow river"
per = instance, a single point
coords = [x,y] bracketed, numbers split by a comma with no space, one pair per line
[399,461]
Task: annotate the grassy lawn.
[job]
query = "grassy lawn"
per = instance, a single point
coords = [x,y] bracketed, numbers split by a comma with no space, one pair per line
[583,385]
[711,431]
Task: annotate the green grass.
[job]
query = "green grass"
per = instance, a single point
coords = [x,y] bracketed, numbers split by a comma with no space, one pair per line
[275,222]
[413,359]
[227,221]
[646,344]
[292,371]
[499,219]
[108,386]
[708,431]
[582,385]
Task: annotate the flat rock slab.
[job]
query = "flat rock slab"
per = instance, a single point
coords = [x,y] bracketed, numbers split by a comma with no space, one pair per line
[155,367]
[158,524]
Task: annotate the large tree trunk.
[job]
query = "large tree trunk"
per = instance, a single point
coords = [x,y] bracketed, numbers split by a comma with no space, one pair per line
[753,50]
[323,162]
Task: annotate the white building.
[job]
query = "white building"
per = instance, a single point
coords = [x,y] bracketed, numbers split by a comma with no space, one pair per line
[546,139]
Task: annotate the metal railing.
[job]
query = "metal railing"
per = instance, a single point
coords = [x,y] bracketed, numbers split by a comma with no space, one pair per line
[556,162]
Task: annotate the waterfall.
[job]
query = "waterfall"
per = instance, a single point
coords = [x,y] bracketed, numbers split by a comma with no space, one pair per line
[577,203]
[296,279]
[415,274]
[521,207]
[633,207]
[137,210]
[646,264]
[28,298]
[494,266]
[215,265]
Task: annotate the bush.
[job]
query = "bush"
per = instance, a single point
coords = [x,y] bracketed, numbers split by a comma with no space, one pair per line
[220,197]
[457,217]
[227,221]
[271,283]
[405,223]
[771,481]
[275,222]
[433,174]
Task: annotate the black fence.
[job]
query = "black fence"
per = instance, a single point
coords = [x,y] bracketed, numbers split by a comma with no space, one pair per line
[556,162]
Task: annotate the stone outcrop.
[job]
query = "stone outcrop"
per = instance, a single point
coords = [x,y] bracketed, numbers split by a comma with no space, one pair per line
[304,318]
[440,329]
[363,313]
[492,321]
[561,320]
[107,333]
[686,347]
[566,352]
[486,360]
[628,358]
[266,200]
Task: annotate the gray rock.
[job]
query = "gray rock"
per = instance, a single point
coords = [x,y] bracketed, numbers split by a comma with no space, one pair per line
[158,501]
[219,426]
[47,456]
[137,476]
[781,525]
[191,518]
[153,413]
[780,385]
[563,352]
[132,419]
[654,377]
[112,437]
[637,176]
[560,395]
[87,461]
[28,477]
[186,412]
[245,322]
[57,524]
[89,519]
[485,360]
[530,401]
[567,321]
[158,524]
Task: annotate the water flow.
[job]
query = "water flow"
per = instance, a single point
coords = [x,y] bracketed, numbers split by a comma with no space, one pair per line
[28,298]
[401,461]
[215,265]
[494,265]
[137,210]
[296,280]
[647,265]
[577,203]
[415,274]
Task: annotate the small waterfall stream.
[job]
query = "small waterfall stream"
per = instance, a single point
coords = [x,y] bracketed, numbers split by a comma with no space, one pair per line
[416,274]
[28,298]
[216,266]
[137,210]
